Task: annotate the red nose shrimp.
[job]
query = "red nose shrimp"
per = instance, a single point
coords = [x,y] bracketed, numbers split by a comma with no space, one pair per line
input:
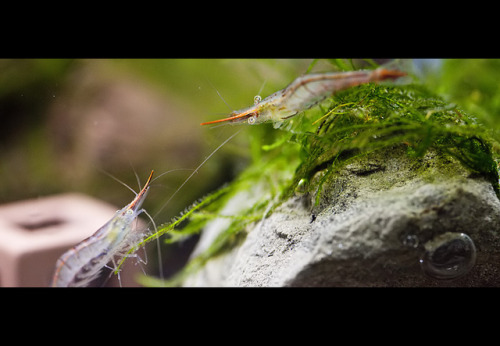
[114,241]
[82,264]
[303,93]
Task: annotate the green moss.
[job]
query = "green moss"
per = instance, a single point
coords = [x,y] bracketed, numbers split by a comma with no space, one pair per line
[305,154]
[376,116]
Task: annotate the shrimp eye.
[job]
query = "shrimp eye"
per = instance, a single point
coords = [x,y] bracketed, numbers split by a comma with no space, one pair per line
[252,120]
[257,99]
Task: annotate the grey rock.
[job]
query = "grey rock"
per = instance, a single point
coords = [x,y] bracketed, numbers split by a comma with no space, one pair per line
[383,220]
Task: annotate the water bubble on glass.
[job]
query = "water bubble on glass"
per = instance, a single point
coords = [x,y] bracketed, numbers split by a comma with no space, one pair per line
[448,256]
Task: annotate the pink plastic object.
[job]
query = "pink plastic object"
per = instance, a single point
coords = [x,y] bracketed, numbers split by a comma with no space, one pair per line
[34,233]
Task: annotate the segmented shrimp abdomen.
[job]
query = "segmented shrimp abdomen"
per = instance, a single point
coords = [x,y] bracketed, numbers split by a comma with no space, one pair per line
[307,90]
[81,264]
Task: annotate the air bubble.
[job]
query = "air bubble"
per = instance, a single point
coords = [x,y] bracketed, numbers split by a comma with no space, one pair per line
[301,187]
[448,256]
[251,120]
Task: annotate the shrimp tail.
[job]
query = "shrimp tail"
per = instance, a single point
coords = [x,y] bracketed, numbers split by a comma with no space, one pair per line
[381,74]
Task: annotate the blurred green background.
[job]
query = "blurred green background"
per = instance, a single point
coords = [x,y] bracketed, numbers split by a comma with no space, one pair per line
[68,122]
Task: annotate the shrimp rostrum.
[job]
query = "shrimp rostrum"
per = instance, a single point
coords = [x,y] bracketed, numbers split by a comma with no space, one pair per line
[82,264]
[303,93]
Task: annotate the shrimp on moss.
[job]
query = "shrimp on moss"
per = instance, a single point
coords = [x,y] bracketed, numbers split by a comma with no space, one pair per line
[303,93]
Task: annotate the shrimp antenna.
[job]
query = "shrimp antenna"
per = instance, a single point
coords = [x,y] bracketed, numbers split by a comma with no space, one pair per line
[196,171]
[218,93]
[135,173]
[262,87]
[170,171]
[118,180]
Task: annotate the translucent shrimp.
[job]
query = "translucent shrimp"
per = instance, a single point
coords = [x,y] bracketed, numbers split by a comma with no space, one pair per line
[81,264]
[303,93]
[114,241]
[156,235]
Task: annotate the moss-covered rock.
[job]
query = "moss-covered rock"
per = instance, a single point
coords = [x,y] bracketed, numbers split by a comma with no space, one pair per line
[356,192]
[373,227]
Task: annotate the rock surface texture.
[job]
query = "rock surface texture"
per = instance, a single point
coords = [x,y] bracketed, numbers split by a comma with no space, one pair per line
[383,219]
